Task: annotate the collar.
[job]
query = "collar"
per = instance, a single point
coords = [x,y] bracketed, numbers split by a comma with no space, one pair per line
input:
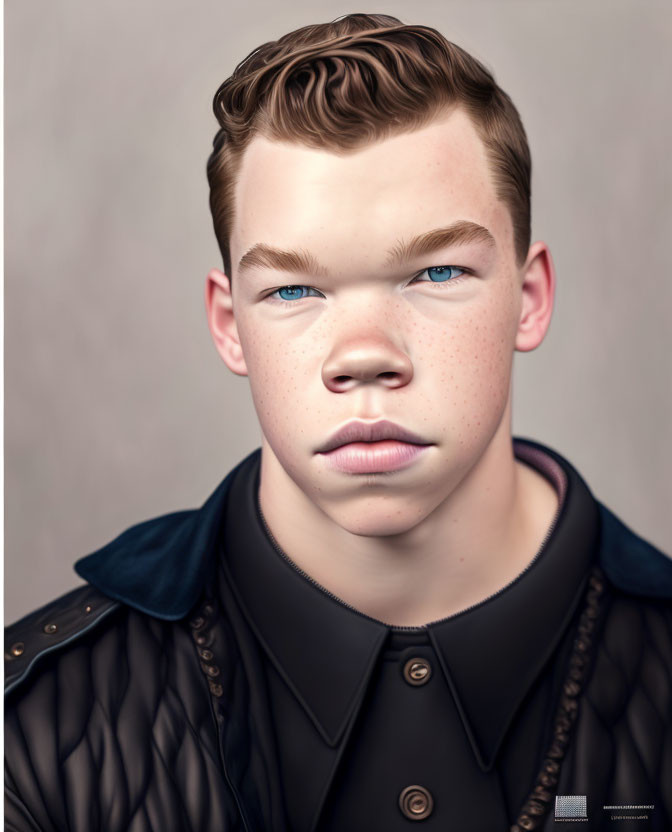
[162,565]
[490,653]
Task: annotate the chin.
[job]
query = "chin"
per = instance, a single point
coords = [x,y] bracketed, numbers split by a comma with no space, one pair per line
[381,521]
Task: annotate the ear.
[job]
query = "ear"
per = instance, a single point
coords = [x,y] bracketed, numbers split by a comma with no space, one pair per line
[221,321]
[538,291]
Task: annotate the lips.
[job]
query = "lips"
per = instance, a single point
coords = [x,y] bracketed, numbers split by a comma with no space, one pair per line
[356,431]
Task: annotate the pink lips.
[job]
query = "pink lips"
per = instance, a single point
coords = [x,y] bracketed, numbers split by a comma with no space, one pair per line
[372,447]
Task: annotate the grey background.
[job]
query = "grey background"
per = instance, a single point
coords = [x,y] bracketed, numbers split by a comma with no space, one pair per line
[118,408]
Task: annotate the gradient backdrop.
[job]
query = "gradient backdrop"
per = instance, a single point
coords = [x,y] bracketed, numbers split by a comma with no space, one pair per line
[118,407]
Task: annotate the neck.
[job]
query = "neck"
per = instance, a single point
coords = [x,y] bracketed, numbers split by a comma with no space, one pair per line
[474,543]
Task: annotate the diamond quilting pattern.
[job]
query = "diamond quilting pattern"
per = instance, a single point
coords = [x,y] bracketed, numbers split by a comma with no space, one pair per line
[622,749]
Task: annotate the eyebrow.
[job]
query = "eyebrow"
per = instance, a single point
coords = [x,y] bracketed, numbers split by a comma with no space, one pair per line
[263,256]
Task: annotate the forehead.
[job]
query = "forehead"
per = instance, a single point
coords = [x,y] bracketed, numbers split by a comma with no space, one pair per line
[353,205]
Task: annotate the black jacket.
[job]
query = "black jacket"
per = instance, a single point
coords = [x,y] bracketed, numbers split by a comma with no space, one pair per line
[118,717]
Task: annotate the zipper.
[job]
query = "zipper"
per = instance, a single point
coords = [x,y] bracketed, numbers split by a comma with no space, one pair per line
[241,812]
[401,627]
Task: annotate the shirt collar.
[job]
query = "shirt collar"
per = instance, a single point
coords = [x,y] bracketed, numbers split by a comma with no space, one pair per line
[490,653]
[161,567]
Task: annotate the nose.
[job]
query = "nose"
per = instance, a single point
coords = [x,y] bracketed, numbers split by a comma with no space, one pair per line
[358,361]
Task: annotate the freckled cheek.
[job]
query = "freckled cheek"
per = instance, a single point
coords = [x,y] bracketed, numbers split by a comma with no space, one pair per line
[278,376]
[471,360]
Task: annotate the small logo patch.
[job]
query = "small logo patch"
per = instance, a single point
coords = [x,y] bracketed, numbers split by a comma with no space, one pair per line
[571,807]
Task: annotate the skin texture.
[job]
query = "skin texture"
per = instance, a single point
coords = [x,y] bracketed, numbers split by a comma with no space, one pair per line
[382,341]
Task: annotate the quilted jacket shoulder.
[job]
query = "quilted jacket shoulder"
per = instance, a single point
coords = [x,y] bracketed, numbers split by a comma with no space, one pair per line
[621,752]
[109,726]
[51,628]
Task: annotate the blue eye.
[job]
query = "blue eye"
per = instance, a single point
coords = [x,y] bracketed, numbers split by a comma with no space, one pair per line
[292,292]
[436,274]
[441,274]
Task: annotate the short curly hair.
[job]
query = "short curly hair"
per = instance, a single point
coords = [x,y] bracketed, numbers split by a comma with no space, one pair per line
[361,78]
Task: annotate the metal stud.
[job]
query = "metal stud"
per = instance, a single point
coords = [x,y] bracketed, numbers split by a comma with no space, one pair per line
[50,628]
[17,649]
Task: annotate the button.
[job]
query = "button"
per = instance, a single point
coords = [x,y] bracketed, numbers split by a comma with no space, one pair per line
[416,803]
[215,688]
[17,649]
[417,671]
[50,628]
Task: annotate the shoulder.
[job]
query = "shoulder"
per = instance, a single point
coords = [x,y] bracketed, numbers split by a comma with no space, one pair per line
[629,694]
[639,578]
[101,695]
[151,576]
[85,634]
[51,628]
[634,651]
[632,564]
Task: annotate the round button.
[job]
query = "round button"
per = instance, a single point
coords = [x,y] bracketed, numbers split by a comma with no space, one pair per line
[17,649]
[416,803]
[216,688]
[50,628]
[417,671]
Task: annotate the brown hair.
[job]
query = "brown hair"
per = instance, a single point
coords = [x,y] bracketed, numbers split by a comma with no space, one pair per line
[360,78]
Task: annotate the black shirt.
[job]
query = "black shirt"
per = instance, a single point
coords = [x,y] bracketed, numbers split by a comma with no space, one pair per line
[377,726]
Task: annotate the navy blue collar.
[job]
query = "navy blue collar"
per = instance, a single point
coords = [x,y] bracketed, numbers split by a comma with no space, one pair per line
[162,565]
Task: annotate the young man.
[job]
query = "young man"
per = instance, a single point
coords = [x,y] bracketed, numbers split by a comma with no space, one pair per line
[392,612]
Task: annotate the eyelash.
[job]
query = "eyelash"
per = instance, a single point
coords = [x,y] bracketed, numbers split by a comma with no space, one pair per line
[440,284]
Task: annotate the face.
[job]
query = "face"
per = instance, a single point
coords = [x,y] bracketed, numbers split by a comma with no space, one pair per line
[368,326]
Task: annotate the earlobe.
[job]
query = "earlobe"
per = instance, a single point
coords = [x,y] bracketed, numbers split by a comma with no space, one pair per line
[538,290]
[222,322]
